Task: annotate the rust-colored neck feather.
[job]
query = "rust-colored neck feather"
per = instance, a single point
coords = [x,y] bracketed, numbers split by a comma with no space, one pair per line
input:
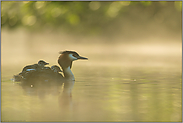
[66,65]
[64,61]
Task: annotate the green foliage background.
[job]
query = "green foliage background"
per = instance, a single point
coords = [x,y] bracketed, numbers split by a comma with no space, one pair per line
[89,17]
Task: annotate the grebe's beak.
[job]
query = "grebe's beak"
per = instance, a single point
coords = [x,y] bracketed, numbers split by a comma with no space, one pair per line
[82,58]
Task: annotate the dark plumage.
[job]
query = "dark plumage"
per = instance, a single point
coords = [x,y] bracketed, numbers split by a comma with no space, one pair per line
[37,73]
[35,67]
[37,78]
[40,64]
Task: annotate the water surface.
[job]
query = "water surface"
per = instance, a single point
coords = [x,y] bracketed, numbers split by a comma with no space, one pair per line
[134,83]
[100,93]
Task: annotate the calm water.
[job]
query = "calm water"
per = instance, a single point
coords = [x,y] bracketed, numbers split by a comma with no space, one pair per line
[102,92]
[125,83]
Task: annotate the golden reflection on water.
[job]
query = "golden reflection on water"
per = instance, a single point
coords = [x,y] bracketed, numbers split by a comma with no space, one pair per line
[129,94]
[119,82]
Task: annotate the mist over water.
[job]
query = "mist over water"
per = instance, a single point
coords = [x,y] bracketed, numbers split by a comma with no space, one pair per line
[138,81]
[133,71]
[22,46]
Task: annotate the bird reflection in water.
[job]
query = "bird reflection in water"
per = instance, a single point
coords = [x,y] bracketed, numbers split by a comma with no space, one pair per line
[39,79]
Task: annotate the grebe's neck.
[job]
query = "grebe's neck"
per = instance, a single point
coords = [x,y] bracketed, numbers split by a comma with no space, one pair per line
[66,64]
[68,73]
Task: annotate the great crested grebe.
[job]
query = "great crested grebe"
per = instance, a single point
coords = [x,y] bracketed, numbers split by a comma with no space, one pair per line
[43,79]
[40,72]
[65,61]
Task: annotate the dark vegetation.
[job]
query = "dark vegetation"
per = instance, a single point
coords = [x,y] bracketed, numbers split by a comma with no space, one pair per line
[109,20]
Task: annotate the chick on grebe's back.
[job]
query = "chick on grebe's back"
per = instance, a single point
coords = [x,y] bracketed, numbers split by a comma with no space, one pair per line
[39,71]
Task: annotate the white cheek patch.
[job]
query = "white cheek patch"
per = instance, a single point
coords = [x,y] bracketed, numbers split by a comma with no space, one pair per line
[72,57]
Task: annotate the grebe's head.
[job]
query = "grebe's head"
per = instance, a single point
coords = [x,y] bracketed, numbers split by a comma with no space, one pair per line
[55,68]
[66,58]
[42,63]
[72,55]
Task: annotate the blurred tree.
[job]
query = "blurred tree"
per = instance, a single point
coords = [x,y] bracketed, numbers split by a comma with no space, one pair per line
[87,17]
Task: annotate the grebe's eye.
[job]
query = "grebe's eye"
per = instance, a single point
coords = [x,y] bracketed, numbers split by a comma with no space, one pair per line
[74,55]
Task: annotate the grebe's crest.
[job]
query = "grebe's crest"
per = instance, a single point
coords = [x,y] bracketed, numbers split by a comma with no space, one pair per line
[72,55]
